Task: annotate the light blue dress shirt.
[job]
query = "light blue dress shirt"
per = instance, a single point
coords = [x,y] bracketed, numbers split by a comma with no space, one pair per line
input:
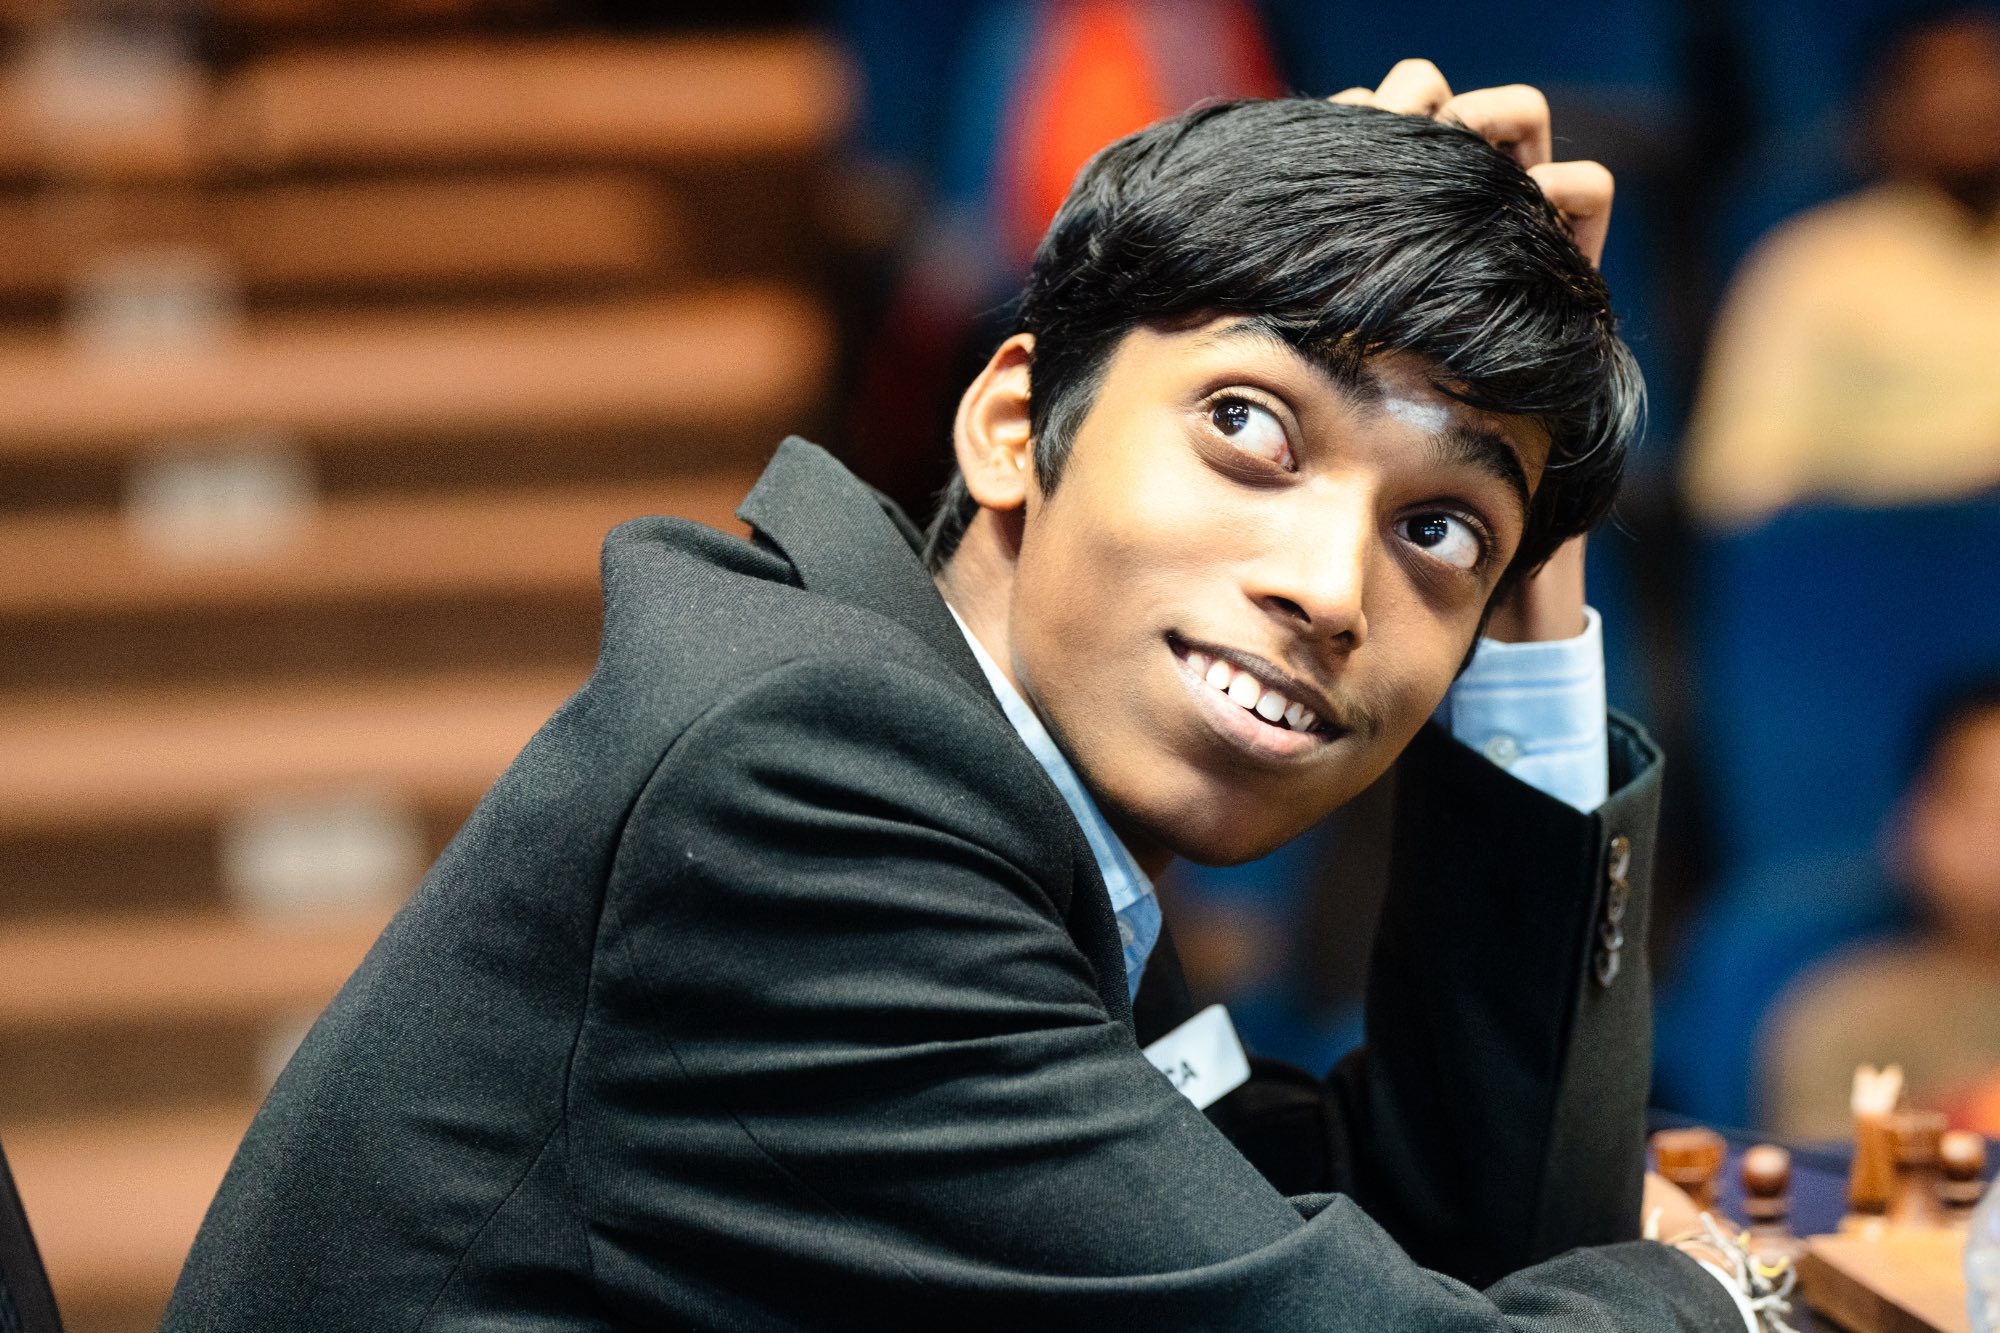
[1536,709]
[1131,891]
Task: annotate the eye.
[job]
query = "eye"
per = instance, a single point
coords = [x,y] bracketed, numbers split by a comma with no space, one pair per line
[1445,537]
[1251,428]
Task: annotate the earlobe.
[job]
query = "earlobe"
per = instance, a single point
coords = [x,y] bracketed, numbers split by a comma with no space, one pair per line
[991,435]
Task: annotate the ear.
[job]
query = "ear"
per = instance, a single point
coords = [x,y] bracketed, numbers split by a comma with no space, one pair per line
[991,436]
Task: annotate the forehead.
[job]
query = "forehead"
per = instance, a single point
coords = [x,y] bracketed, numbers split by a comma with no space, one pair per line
[1973,747]
[1946,56]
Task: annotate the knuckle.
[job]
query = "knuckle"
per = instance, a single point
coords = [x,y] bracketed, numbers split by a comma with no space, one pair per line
[1418,67]
[1532,99]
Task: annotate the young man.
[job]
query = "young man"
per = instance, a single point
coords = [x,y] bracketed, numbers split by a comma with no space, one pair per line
[797,974]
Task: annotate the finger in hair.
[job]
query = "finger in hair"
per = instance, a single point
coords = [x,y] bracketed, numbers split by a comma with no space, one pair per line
[1414,88]
[1513,118]
[1582,191]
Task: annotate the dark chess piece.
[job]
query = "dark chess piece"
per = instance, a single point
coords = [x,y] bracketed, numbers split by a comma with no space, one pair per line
[1767,1184]
[1691,1159]
[1962,1157]
[1914,1138]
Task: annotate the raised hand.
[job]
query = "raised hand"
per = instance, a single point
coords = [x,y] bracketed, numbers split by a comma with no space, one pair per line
[1513,118]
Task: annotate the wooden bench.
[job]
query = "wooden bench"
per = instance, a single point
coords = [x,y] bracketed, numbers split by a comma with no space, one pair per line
[115,1203]
[459,102]
[383,236]
[461,544]
[451,102]
[149,969]
[714,357]
[87,760]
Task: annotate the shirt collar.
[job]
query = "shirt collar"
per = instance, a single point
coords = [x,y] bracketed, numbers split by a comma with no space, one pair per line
[1123,879]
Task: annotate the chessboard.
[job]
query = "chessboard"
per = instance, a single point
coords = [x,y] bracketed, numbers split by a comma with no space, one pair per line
[1876,1230]
[1891,1280]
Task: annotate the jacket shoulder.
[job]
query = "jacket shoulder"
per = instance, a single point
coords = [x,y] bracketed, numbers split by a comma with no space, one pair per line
[690,613]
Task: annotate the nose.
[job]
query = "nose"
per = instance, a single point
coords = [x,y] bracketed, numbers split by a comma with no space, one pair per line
[1315,577]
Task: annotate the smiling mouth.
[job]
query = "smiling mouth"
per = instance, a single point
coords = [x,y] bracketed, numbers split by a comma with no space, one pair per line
[1264,701]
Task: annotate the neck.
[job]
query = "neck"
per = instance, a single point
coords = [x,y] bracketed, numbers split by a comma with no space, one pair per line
[978,581]
[1976,945]
[1974,198]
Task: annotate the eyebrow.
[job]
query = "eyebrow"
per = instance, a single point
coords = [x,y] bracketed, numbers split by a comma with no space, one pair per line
[1459,443]
[1487,450]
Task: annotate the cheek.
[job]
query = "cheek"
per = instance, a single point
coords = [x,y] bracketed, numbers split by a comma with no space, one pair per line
[1106,540]
[1958,853]
[1418,646]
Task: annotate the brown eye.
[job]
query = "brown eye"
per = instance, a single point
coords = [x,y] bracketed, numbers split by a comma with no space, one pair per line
[1251,428]
[1444,537]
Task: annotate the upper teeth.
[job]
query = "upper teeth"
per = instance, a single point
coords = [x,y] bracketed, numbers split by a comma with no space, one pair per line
[1246,691]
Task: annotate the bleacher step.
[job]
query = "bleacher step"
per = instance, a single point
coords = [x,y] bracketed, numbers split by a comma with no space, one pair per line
[715,357]
[481,100]
[376,236]
[115,1202]
[92,759]
[83,972]
[463,544]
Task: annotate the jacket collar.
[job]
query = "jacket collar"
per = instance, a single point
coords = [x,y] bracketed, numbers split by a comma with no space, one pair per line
[853,545]
[848,543]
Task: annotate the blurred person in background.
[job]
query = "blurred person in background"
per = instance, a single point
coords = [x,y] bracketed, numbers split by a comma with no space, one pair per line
[1857,355]
[1927,998]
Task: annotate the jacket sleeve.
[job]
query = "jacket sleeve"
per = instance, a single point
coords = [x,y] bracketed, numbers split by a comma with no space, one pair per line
[842,1042]
[1495,1116]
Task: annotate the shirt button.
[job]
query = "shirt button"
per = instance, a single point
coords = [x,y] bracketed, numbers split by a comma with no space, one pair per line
[1125,932]
[1503,750]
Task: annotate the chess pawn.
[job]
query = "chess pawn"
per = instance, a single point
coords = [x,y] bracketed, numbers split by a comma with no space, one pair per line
[1767,1183]
[1913,1141]
[1691,1159]
[1962,1158]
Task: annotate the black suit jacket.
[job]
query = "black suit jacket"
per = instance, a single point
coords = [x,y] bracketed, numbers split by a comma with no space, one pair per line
[774,987]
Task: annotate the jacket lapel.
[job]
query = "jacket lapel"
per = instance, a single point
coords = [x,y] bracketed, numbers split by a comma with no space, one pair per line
[854,546]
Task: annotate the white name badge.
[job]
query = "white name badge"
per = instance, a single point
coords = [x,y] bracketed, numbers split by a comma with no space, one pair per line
[1203,1057]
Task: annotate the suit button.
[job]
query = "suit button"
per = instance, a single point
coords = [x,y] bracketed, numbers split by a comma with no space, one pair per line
[1610,952]
[1620,864]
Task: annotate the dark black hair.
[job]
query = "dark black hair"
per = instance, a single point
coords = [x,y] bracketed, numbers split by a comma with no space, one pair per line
[1949,711]
[1348,232]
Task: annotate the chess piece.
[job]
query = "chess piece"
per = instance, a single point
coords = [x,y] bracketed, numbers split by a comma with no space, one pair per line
[1691,1159]
[1913,1143]
[1962,1158]
[1767,1183]
[1873,1175]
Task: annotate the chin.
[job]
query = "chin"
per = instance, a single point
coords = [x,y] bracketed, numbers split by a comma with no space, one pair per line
[1220,821]
[1209,840]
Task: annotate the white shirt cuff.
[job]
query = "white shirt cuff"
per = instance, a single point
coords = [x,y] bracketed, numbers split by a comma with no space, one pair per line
[1538,711]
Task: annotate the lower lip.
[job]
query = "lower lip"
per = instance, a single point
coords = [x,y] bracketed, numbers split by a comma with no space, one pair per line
[1244,730]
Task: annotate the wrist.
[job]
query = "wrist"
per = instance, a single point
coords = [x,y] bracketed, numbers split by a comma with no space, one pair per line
[1546,604]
